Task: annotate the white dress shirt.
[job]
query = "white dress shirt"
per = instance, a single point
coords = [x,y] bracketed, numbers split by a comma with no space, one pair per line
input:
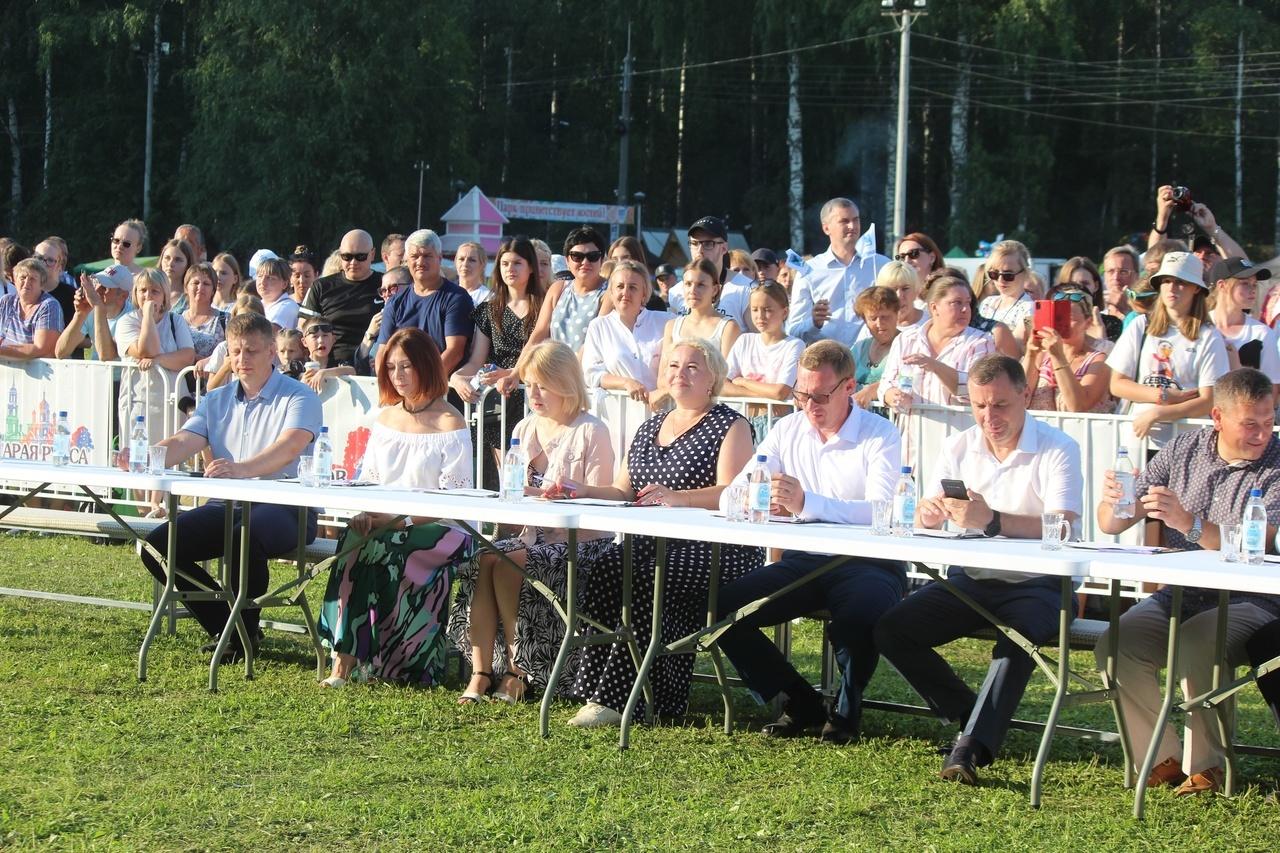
[840,475]
[1042,474]
[840,285]
[610,347]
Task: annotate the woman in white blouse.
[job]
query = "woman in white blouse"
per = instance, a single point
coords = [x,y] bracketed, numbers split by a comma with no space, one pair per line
[1009,270]
[938,354]
[385,607]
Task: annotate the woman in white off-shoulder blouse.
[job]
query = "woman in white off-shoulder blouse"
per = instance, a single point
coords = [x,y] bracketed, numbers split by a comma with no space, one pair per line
[385,607]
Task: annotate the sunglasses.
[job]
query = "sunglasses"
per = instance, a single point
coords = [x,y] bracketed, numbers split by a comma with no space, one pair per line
[1005,275]
[389,290]
[1078,296]
[127,244]
[592,257]
[347,257]
[319,329]
[909,254]
[803,398]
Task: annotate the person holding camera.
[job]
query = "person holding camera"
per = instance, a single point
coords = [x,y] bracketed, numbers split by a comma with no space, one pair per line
[1170,199]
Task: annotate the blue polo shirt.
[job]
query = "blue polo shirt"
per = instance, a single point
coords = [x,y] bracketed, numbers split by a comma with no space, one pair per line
[239,429]
[443,313]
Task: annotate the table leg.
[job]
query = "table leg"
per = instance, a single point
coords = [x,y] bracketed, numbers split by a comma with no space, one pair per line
[1162,720]
[655,643]
[1065,615]
[1109,682]
[570,633]
[167,597]
[242,594]
[1220,709]
[713,598]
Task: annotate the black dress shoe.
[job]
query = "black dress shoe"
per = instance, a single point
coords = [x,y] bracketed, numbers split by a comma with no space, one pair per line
[839,731]
[788,726]
[234,652]
[209,647]
[962,764]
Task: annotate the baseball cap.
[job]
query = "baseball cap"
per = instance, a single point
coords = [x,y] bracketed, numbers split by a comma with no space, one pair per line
[712,225]
[1183,266]
[768,257]
[258,257]
[560,268]
[116,275]
[664,269]
[1237,268]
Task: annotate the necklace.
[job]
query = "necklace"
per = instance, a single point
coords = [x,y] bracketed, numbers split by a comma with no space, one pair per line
[404,404]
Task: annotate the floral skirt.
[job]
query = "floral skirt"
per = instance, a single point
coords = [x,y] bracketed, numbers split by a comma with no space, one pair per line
[387,604]
[539,628]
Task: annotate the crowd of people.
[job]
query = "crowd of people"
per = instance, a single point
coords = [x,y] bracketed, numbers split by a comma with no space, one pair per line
[842,337]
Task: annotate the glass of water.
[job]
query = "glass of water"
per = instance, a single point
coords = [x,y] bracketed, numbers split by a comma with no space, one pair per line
[1229,542]
[156,456]
[736,502]
[306,471]
[1054,530]
[881,517]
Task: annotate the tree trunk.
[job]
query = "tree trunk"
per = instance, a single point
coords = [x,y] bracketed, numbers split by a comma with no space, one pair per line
[684,61]
[48,123]
[960,129]
[795,151]
[1155,107]
[891,160]
[15,185]
[1239,112]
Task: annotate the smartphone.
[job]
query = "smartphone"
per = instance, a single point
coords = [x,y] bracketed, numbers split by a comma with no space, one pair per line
[955,489]
[1053,314]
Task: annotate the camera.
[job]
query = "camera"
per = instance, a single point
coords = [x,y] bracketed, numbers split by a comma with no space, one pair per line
[1182,198]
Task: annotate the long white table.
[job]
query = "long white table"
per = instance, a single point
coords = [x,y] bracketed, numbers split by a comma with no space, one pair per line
[841,541]
[1203,569]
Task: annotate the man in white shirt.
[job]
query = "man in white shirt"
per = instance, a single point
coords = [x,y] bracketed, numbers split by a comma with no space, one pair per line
[1014,468]
[830,460]
[822,299]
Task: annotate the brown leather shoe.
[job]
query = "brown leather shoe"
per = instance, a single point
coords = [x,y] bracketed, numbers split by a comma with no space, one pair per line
[1207,781]
[1167,772]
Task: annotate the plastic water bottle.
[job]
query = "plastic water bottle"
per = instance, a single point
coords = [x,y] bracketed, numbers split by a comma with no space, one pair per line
[62,441]
[906,388]
[760,491]
[138,446]
[904,504]
[322,458]
[1253,529]
[476,384]
[1125,476]
[515,467]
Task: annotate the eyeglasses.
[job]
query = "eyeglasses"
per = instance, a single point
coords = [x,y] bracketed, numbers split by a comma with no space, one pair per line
[911,254]
[705,245]
[125,244]
[45,259]
[592,257]
[348,257]
[1006,275]
[1118,272]
[803,397]
[389,290]
[318,329]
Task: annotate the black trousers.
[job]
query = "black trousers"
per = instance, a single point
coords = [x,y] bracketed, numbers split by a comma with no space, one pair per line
[1262,647]
[273,532]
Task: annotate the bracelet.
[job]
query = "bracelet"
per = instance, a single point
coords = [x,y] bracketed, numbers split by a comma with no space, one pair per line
[1062,367]
[1157,230]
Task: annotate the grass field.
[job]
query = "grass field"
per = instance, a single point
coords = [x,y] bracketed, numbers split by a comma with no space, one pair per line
[94,759]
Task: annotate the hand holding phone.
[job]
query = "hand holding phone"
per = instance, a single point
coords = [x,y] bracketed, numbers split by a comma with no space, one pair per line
[955,489]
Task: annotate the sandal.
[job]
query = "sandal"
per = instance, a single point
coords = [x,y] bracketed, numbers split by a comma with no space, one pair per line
[470,697]
[511,697]
[334,682]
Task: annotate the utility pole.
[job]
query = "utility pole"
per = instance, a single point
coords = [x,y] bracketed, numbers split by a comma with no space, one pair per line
[506,122]
[422,167]
[1239,112]
[624,130]
[153,68]
[905,12]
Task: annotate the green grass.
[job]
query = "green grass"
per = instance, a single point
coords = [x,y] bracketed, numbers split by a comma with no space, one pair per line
[94,759]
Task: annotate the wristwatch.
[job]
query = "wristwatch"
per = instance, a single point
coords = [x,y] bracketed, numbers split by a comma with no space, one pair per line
[992,528]
[1193,535]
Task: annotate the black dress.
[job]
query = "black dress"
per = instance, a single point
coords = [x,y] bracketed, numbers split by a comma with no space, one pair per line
[606,673]
[505,346]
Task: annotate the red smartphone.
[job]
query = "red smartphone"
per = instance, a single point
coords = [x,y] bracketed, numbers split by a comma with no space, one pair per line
[1053,314]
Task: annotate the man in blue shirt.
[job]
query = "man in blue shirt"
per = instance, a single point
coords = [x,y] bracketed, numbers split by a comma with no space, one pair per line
[433,304]
[256,427]
[822,299]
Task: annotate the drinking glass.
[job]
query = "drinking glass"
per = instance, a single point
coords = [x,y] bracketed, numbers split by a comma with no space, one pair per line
[306,473]
[1229,545]
[155,456]
[736,502]
[1054,530]
[881,517]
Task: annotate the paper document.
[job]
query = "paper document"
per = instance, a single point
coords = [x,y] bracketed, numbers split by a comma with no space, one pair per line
[460,493]
[1115,548]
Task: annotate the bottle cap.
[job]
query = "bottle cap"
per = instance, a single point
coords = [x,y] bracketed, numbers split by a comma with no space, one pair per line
[906,469]
[62,414]
[515,442]
[1124,451]
[760,457]
[1255,493]
[139,419]
[324,430]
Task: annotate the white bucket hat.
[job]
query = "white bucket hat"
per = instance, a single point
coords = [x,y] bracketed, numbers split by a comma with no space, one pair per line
[1183,266]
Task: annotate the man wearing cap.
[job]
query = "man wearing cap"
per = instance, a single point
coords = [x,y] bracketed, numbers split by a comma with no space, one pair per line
[346,298]
[1195,483]
[195,239]
[1166,362]
[709,238]
[666,287]
[433,304]
[822,300]
[1250,342]
[101,300]
[766,264]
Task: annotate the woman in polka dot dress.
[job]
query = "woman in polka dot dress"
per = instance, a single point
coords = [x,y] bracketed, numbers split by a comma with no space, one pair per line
[683,457]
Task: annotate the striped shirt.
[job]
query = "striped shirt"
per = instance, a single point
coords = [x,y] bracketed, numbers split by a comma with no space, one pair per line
[959,352]
[14,329]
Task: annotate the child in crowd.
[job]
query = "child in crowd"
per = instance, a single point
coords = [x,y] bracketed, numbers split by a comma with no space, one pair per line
[273,281]
[318,338]
[291,355]
[218,367]
[878,307]
[763,364]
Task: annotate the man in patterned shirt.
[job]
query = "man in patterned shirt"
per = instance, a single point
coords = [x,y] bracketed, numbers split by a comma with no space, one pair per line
[1196,482]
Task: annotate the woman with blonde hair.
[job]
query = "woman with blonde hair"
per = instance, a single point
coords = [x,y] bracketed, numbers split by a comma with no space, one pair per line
[229,281]
[1166,362]
[1008,268]
[568,448]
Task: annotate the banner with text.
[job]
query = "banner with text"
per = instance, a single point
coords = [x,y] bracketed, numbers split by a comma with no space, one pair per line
[559,211]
